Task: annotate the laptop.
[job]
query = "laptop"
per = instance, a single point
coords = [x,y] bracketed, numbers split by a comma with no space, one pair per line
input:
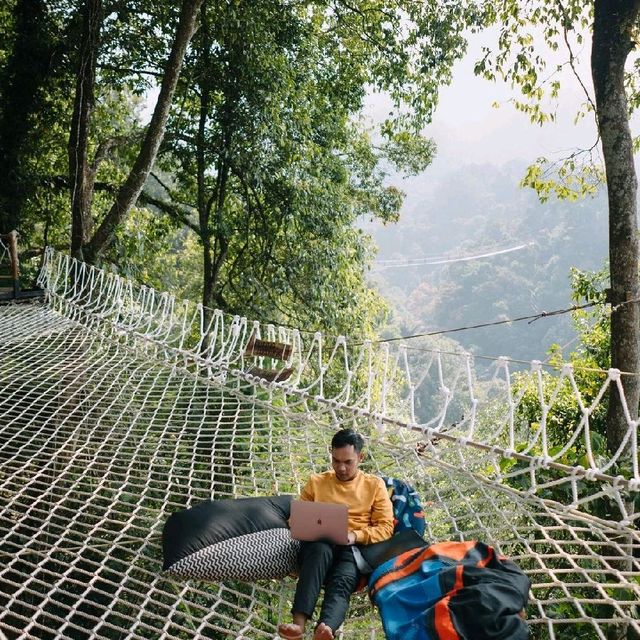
[319,521]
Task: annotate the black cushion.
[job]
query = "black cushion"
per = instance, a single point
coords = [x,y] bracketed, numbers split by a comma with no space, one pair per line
[243,539]
[375,554]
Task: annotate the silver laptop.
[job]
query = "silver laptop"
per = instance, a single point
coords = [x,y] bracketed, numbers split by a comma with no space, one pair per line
[312,521]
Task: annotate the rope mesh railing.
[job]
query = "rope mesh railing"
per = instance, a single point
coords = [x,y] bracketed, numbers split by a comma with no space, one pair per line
[120,406]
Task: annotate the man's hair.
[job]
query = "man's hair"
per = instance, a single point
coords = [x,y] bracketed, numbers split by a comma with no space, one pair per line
[346,437]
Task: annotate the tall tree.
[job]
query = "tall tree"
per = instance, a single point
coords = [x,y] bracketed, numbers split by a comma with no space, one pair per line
[84,244]
[128,193]
[82,172]
[613,28]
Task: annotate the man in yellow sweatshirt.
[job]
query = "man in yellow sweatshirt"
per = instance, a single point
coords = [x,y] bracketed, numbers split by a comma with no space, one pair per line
[370,520]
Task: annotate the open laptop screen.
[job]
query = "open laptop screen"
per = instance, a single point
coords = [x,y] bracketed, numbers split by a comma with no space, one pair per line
[319,521]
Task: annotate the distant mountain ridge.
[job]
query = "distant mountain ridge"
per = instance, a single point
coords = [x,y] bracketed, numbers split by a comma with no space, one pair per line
[468,210]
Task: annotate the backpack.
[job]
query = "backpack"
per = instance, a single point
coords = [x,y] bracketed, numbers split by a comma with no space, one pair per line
[451,591]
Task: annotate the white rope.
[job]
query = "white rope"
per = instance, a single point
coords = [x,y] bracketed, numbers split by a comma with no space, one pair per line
[4,252]
[119,406]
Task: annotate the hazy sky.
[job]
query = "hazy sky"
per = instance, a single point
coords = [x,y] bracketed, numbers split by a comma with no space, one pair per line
[468,129]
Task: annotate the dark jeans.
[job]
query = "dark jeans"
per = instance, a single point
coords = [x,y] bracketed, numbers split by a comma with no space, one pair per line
[335,567]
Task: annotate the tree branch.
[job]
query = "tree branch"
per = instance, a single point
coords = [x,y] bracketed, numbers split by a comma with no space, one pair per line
[130,71]
[572,58]
[171,209]
[105,150]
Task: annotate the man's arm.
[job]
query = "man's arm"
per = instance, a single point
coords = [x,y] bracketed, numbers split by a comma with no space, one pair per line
[307,492]
[381,527]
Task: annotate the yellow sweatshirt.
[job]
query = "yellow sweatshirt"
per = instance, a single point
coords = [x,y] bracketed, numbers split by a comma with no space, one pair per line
[370,510]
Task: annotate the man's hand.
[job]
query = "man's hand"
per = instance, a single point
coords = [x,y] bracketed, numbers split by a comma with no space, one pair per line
[351,537]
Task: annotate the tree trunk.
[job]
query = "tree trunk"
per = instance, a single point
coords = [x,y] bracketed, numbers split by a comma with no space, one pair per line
[215,247]
[612,42]
[214,244]
[204,210]
[130,190]
[80,175]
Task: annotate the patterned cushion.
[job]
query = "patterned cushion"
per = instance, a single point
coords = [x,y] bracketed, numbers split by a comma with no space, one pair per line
[245,539]
[407,507]
[253,556]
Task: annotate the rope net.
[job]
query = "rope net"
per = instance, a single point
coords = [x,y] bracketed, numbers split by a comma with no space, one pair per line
[120,405]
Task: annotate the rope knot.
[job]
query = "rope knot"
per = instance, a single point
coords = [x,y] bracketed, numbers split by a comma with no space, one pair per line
[634,485]
[543,461]
[614,374]
[577,471]
[617,481]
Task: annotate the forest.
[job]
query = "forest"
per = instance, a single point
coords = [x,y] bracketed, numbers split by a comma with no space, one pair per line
[469,212]
[219,194]
[218,150]
[242,188]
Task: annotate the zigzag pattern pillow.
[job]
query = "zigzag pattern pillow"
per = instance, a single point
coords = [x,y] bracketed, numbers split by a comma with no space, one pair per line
[253,556]
[245,539]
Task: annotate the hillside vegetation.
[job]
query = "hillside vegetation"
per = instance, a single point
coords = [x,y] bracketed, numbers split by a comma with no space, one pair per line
[472,211]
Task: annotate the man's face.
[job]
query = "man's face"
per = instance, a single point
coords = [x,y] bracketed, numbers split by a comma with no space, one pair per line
[345,462]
